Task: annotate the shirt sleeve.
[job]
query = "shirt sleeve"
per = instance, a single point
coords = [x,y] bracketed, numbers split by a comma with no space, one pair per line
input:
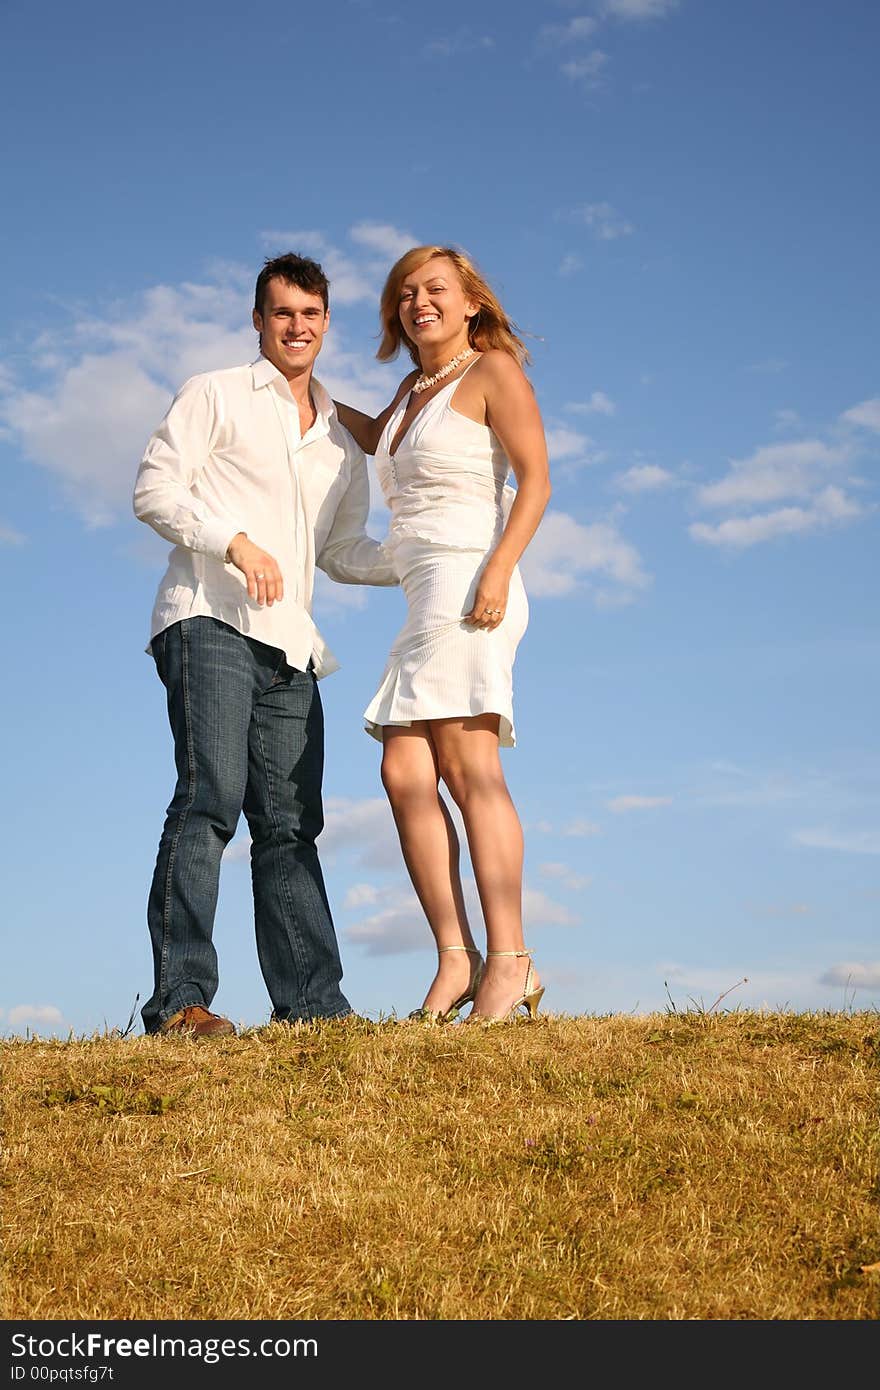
[349,555]
[175,456]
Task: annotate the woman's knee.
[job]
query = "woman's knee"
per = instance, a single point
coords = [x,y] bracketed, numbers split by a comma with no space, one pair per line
[466,779]
[403,781]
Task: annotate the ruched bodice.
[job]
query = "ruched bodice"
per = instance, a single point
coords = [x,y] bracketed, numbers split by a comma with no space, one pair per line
[447,482]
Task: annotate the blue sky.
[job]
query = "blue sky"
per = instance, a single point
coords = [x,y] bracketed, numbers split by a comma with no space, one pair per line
[677,203]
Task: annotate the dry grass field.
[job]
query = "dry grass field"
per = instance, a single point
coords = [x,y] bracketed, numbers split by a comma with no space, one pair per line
[688,1165]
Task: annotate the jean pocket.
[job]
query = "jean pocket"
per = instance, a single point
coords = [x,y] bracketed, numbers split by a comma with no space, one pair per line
[157,647]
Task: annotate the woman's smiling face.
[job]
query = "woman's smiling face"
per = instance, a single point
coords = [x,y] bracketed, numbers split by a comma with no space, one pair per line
[434,309]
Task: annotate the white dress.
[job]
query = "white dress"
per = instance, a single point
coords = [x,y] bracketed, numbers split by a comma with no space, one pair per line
[449,497]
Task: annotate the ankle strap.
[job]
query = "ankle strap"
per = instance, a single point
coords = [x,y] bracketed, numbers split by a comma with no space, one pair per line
[508,953]
[471,950]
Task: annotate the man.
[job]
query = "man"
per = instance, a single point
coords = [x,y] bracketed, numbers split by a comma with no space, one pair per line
[255,481]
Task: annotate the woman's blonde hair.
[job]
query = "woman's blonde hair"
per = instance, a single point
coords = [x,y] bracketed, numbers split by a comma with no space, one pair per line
[489,328]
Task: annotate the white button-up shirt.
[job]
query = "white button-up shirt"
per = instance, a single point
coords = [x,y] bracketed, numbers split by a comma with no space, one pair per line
[229,457]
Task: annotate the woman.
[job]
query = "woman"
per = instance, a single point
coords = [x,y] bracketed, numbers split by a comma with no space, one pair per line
[444,448]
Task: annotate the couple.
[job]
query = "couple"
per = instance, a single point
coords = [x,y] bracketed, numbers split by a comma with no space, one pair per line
[256,476]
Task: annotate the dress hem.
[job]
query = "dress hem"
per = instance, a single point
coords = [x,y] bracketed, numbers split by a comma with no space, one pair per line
[506,730]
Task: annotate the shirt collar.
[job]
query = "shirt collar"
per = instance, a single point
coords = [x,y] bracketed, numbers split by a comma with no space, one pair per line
[264,372]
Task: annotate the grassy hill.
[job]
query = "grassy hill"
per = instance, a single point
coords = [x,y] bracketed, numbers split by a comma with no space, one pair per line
[692,1165]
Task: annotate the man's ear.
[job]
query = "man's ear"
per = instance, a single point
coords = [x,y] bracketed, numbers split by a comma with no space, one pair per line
[257,320]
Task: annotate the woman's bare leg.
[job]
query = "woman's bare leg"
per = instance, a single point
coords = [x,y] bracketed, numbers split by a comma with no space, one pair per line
[469,764]
[431,852]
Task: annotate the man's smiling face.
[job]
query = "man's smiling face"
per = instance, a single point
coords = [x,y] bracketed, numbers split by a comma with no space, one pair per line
[292,327]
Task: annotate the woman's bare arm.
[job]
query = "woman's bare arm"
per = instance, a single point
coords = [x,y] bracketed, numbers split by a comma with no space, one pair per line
[367,429]
[512,414]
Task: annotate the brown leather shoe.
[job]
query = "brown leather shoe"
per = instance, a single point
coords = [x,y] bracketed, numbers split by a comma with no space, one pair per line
[198,1023]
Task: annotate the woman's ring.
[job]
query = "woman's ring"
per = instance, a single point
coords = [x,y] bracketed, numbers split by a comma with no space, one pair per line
[258,574]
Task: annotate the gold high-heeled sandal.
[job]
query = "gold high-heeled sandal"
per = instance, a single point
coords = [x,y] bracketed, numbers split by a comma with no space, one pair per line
[424,1015]
[528,1000]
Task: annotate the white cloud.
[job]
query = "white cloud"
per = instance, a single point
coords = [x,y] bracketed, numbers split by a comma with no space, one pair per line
[867,414]
[566,558]
[853,974]
[172,331]
[237,850]
[800,470]
[9,535]
[639,9]
[787,420]
[732,786]
[354,278]
[575,31]
[383,238]
[598,404]
[766,991]
[396,929]
[553,869]
[91,430]
[115,376]
[541,911]
[567,444]
[399,925]
[564,875]
[570,264]
[34,1013]
[830,507]
[580,828]
[621,804]
[604,221]
[349,283]
[359,894]
[769,365]
[365,829]
[779,910]
[847,841]
[585,69]
[772,473]
[649,477]
[708,987]
[462,41]
[333,597]
[362,831]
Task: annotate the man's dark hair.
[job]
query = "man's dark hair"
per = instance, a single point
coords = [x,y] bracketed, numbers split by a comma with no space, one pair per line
[295,270]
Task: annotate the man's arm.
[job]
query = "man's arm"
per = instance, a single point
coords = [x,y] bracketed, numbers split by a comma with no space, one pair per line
[349,555]
[174,457]
[163,498]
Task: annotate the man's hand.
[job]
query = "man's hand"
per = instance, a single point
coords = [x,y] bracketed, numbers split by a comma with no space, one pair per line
[260,569]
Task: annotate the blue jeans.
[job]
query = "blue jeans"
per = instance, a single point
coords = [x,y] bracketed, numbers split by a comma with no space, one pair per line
[248,735]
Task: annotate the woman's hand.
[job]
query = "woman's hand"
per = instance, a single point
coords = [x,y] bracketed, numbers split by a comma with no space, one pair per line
[490,601]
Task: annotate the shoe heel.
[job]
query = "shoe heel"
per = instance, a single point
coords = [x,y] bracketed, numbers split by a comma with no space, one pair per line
[468,997]
[531,1002]
[449,1015]
[528,1000]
